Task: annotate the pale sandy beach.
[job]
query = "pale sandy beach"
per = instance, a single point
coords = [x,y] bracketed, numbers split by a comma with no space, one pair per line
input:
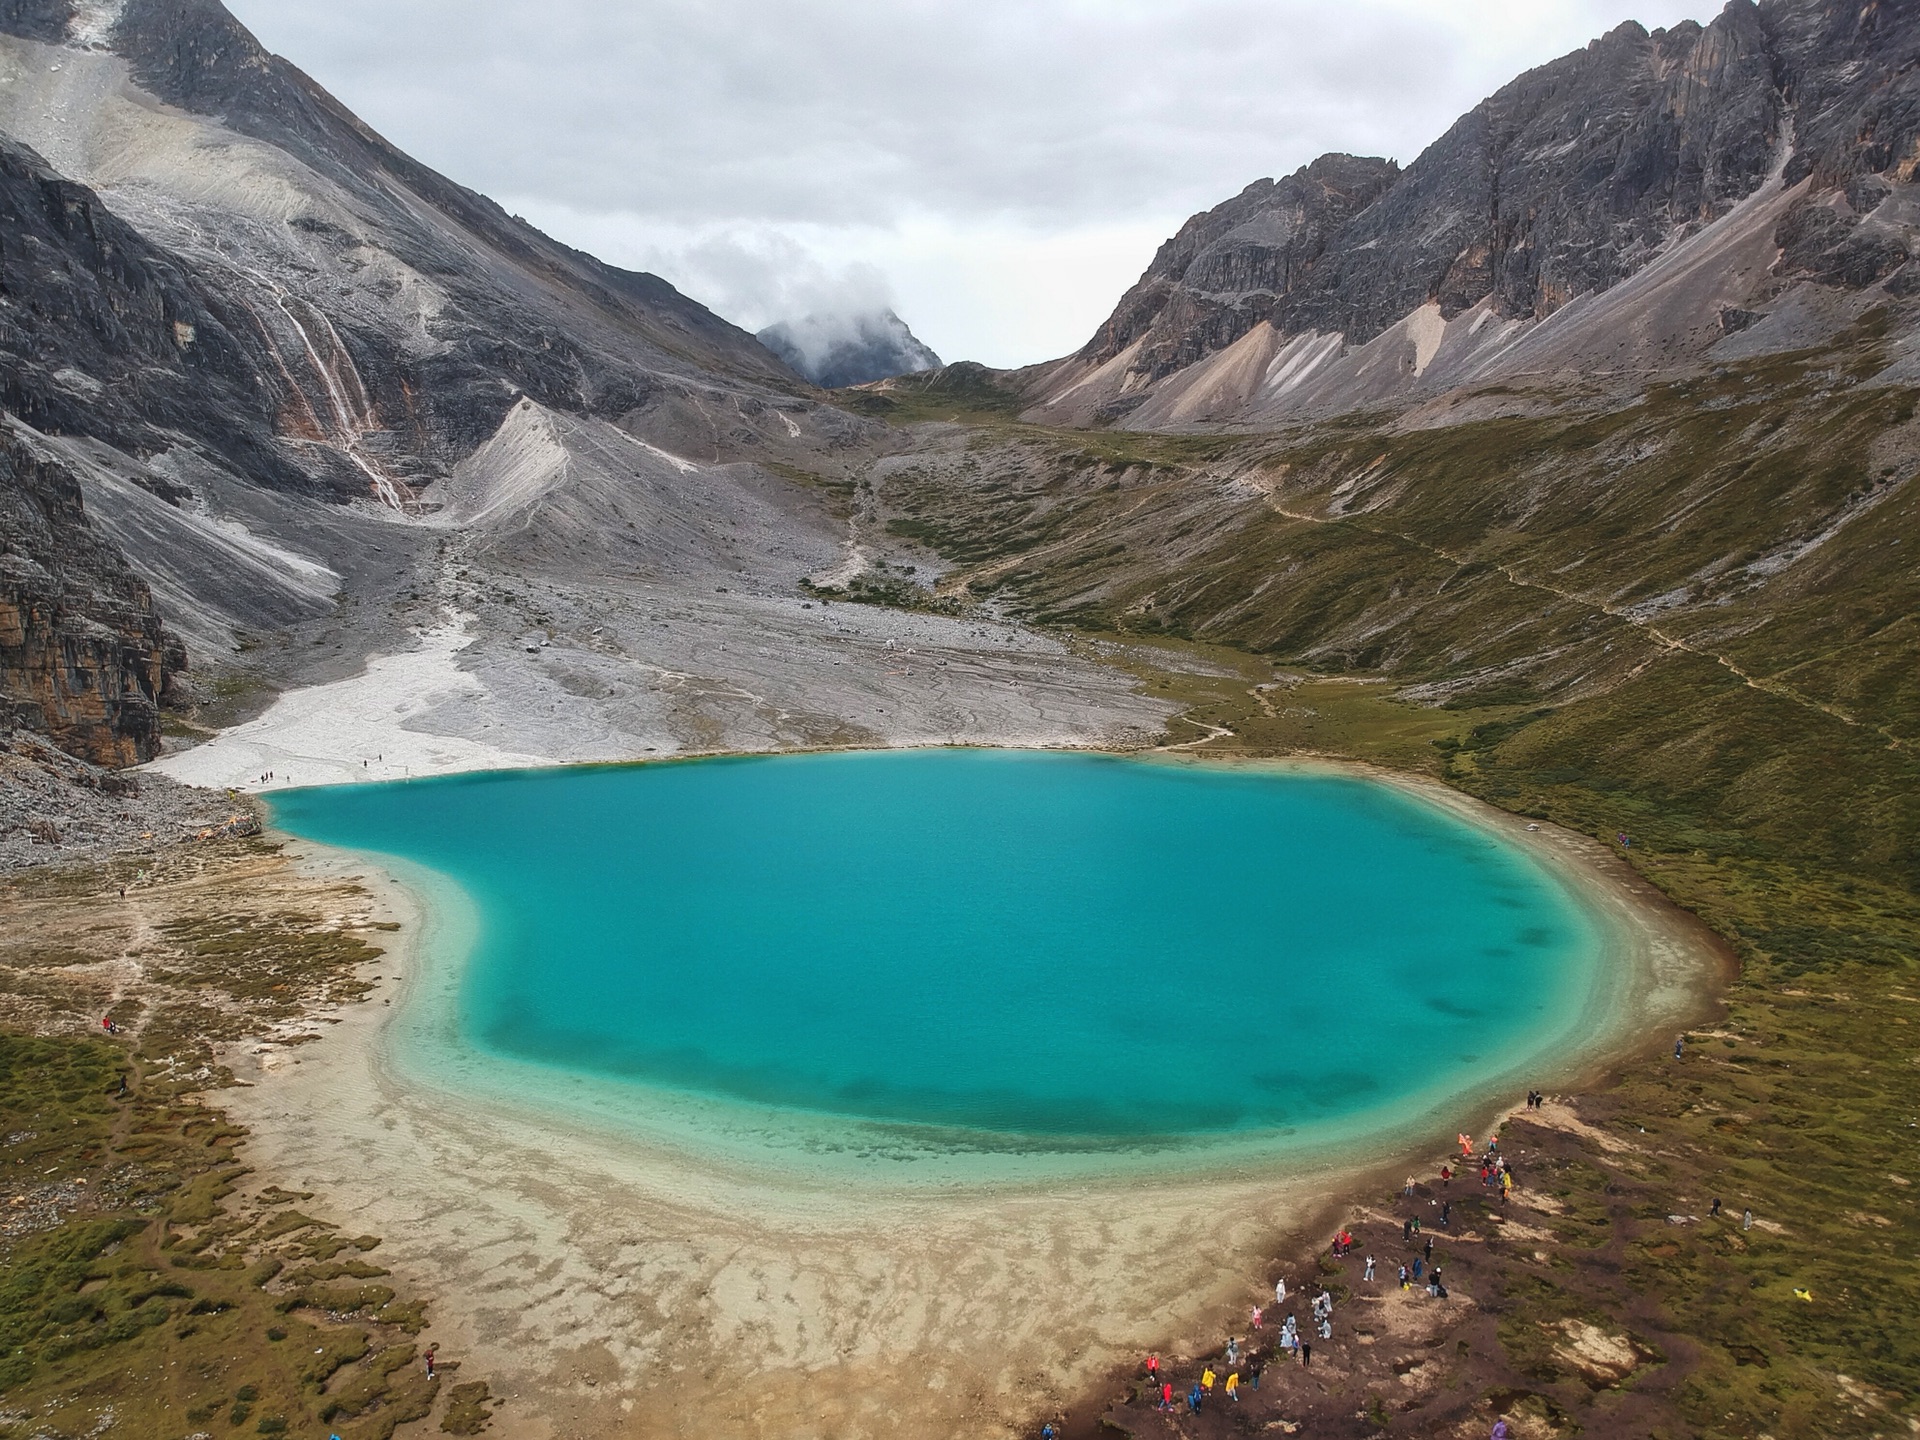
[611,1287]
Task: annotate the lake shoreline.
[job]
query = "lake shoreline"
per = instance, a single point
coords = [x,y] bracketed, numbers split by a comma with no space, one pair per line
[1202,1294]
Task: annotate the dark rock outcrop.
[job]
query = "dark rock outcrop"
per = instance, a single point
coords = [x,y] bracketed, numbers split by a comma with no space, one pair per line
[84,658]
[836,350]
[1229,268]
[103,334]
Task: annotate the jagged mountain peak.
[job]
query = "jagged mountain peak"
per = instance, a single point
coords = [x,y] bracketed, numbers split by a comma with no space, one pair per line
[1351,284]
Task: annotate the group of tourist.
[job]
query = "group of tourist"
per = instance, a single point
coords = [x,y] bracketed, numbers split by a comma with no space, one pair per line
[1297,1334]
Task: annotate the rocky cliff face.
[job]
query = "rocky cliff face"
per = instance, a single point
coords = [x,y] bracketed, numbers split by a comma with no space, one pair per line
[1563,185]
[103,334]
[1230,268]
[84,658]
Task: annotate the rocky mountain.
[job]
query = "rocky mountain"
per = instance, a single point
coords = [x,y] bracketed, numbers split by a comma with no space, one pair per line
[838,350]
[386,316]
[1653,202]
[254,335]
[324,406]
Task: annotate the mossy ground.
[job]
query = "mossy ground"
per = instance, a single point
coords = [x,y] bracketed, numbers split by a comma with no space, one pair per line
[1694,620]
[1799,1103]
[143,1281]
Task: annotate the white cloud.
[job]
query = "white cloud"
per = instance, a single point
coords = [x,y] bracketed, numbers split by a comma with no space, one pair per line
[997,169]
[998,291]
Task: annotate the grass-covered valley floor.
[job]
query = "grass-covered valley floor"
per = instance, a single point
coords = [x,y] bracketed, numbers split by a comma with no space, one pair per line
[1690,617]
[1798,1101]
[148,1284]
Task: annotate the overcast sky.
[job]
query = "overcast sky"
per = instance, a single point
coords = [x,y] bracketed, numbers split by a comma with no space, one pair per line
[998,171]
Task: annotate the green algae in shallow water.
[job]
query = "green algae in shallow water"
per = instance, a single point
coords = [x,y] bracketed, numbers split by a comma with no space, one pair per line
[1022,943]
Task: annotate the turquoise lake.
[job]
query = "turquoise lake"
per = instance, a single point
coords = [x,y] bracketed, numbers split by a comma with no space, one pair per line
[1029,943]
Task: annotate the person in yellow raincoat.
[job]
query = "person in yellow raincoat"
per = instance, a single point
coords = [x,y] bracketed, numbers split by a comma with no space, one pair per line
[1233,1386]
[1206,1379]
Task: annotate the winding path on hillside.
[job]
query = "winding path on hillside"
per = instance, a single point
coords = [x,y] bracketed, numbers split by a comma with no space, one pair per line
[1645,626]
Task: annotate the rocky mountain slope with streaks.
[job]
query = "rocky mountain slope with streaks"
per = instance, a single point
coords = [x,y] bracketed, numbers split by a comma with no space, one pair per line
[1650,204]
[323,401]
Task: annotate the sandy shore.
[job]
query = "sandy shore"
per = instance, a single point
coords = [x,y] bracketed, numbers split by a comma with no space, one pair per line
[613,1289]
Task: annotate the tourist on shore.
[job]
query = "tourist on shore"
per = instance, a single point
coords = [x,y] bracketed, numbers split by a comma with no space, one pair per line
[1403,1276]
[1206,1380]
[1369,1274]
[1193,1400]
[1166,1395]
[1306,1354]
[1254,1366]
[1746,1219]
[1257,1313]
[1153,1367]
[1280,1291]
[1233,1350]
[1500,1430]
[1233,1387]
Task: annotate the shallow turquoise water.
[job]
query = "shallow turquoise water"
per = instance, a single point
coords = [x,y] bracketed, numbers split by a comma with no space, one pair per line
[1010,941]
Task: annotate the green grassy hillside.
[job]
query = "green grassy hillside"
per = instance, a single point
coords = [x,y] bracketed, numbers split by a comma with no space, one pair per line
[1688,616]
